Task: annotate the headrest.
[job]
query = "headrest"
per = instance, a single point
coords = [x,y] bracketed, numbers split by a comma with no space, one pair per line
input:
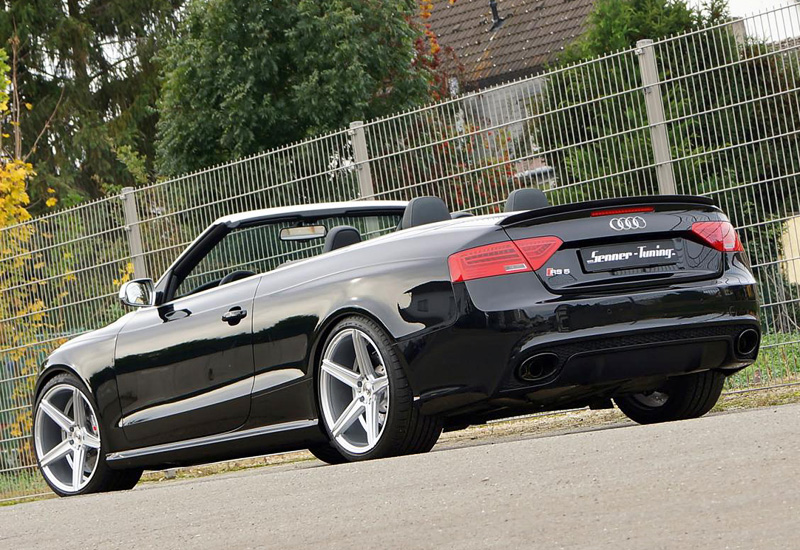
[341,236]
[424,210]
[526,199]
[458,215]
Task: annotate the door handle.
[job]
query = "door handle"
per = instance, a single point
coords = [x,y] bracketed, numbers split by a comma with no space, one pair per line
[234,315]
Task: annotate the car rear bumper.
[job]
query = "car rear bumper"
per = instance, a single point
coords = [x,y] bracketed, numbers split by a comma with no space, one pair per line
[593,346]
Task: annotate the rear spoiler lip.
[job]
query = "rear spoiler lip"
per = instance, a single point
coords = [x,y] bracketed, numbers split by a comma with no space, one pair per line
[677,200]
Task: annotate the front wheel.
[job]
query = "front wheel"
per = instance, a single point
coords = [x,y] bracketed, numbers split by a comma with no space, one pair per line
[366,404]
[681,398]
[68,443]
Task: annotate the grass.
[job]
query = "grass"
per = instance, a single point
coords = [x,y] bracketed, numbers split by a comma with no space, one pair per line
[778,362]
[21,485]
[203,470]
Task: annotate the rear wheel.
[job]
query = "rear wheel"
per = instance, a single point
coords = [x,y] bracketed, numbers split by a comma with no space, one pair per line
[366,405]
[680,398]
[125,480]
[68,443]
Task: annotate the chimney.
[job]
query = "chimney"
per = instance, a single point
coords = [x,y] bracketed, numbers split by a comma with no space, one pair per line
[496,19]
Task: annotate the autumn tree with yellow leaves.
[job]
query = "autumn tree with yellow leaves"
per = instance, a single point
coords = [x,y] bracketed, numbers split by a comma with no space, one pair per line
[22,312]
[14,171]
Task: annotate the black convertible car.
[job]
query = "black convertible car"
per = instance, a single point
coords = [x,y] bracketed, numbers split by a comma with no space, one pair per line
[360,330]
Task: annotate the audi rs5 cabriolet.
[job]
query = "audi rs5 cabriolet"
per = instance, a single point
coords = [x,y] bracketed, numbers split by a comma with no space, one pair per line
[363,329]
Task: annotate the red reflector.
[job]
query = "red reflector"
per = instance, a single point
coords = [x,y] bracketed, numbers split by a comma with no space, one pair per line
[618,211]
[486,261]
[538,250]
[719,235]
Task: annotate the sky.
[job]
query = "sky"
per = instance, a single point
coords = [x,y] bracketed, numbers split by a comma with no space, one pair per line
[771,26]
[740,8]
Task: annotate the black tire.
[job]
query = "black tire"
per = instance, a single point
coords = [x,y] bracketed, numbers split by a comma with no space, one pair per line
[407,430]
[104,478]
[125,480]
[425,435]
[326,453]
[689,396]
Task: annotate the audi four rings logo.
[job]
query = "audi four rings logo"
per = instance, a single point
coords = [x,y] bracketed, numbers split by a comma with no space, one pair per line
[631,222]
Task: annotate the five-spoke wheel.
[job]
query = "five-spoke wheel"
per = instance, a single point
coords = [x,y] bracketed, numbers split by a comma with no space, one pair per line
[66,438]
[68,444]
[354,390]
[366,405]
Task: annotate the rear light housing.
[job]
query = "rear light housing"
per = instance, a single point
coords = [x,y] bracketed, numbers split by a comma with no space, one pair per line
[718,235]
[503,258]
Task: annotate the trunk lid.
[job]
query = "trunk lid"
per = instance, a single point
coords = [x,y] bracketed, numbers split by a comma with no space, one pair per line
[631,242]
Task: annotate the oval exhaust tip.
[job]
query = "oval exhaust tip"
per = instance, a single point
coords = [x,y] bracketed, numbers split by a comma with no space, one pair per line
[538,367]
[747,342]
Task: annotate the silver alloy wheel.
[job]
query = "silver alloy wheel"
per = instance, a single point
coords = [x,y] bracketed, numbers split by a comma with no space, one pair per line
[354,391]
[67,438]
[653,399]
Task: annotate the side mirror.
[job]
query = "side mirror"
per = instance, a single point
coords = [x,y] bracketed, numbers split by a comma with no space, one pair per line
[138,293]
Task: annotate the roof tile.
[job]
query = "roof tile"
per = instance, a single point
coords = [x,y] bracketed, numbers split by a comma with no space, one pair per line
[531,36]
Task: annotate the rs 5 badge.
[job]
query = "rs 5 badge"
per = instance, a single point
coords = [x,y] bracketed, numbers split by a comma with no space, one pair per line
[552,272]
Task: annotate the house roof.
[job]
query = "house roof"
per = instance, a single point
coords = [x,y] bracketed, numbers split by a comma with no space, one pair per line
[532,34]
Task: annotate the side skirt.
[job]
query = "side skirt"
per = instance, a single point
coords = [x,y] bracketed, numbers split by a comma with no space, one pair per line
[202,449]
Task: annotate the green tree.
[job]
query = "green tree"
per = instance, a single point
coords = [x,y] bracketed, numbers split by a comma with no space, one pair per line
[617,24]
[244,76]
[581,107]
[88,70]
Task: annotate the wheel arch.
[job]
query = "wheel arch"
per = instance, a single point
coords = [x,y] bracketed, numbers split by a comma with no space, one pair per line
[327,326]
[50,372]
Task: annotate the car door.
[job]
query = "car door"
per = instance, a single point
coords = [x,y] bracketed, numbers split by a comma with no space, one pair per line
[185,369]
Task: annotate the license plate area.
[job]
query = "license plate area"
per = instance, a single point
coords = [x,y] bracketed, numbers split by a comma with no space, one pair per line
[630,255]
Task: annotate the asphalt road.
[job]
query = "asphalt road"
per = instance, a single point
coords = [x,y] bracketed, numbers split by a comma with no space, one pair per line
[725,481]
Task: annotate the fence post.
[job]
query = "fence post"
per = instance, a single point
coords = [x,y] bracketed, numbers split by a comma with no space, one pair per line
[361,157]
[134,232]
[655,117]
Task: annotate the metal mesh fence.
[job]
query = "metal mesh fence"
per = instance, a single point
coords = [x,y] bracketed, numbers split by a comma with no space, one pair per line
[713,112]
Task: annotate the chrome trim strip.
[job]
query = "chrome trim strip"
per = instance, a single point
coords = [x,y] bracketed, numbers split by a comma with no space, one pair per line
[230,392]
[270,380]
[210,440]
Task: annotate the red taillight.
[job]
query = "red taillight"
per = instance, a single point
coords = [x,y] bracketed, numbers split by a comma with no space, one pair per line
[719,235]
[619,211]
[502,258]
[538,250]
[486,261]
